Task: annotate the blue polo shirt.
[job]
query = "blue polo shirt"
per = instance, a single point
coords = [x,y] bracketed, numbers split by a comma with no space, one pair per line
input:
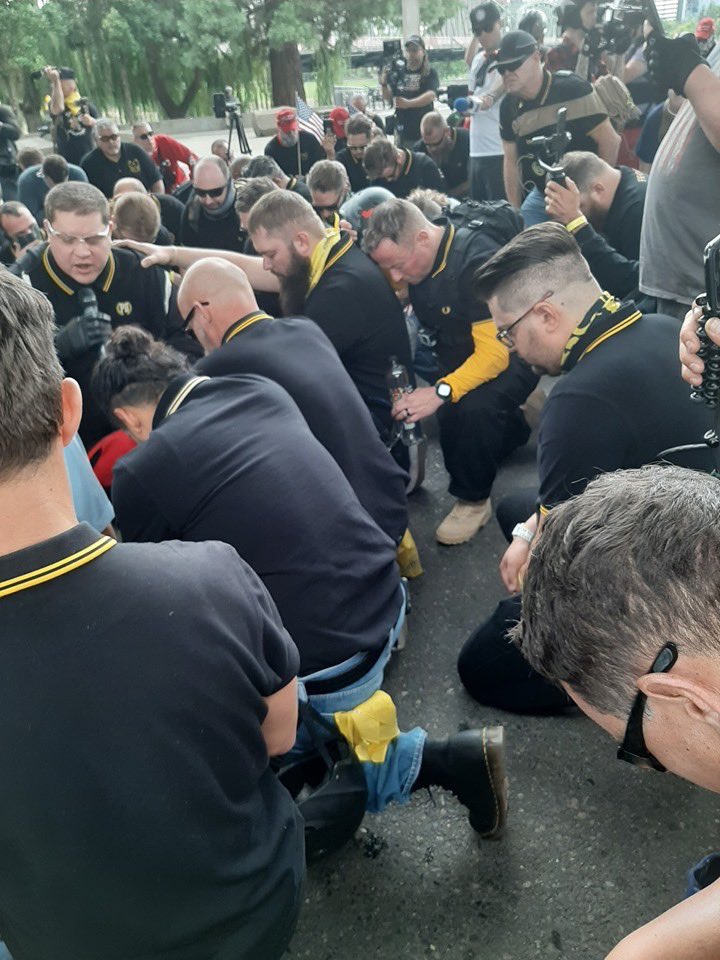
[32,188]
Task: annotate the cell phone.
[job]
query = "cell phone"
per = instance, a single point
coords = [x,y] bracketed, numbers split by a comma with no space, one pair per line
[328,125]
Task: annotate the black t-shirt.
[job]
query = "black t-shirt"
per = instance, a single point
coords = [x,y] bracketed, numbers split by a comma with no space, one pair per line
[557,88]
[418,170]
[355,306]
[311,150]
[295,185]
[171,214]
[254,476]
[413,84]
[199,230]
[619,408]
[355,170]
[141,818]
[127,293]
[455,168]
[132,162]
[74,144]
[295,353]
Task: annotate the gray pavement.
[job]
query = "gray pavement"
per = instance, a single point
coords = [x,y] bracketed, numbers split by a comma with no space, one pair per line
[593,848]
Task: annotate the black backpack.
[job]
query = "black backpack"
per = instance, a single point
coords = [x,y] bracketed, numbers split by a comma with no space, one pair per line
[497,218]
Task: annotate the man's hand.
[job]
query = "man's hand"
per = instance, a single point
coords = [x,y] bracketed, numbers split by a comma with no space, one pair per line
[417,405]
[81,335]
[670,62]
[402,103]
[152,255]
[52,74]
[692,365]
[347,227]
[562,203]
[329,141]
[513,564]
[86,120]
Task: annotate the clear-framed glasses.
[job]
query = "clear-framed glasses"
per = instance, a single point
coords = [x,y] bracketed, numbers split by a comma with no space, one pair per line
[68,240]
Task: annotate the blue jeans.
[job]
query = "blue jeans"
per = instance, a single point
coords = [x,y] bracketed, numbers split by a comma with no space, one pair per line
[4,952]
[533,208]
[392,780]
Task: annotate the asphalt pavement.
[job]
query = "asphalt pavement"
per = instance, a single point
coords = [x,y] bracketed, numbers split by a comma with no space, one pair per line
[593,848]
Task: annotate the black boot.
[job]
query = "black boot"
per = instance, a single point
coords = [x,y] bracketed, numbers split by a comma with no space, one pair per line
[472,766]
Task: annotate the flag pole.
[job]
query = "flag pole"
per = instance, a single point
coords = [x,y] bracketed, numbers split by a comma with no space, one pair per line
[299,158]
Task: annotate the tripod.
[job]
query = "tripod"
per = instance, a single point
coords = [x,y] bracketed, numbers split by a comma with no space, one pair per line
[235,124]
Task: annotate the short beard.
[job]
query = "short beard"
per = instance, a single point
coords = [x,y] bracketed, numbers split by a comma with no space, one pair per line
[294,286]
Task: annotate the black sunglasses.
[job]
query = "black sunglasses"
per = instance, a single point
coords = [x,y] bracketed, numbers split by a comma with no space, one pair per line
[213,192]
[510,67]
[633,748]
[146,136]
[191,313]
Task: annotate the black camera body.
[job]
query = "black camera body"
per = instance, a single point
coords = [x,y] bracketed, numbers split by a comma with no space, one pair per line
[550,149]
[224,104]
[618,24]
[393,64]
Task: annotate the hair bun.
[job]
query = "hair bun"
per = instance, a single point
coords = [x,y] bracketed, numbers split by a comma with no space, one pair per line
[129,342]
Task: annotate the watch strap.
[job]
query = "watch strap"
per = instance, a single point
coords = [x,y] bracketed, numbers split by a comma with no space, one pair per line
[523,532]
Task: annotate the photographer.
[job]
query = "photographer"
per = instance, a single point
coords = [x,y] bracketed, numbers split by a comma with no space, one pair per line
[19,231]
[73,116]
[412,90]
[602,206]
[576,20]
[9,170]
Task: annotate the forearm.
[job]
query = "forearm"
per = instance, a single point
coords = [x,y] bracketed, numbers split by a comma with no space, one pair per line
[608,143]
[387,93]
[57,101]
[702,89]
[471,51]
[424,100]
[488,360]
[260,279]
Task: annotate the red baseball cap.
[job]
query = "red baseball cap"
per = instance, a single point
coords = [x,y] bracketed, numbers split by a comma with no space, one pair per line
[339,116]
[705,28]
[286,119]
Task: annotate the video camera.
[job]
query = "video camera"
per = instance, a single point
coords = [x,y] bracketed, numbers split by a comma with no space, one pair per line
[393,64]
[551,148]
[618,24]
[225,103]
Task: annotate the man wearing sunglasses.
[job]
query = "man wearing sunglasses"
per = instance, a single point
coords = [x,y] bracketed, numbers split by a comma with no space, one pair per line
[620,607]
[173,159]
[210,219]
[111,160]
[619,403]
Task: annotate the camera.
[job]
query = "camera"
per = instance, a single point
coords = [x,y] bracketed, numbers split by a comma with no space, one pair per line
[550,149]
[618,23]
[225,103]
[393,64]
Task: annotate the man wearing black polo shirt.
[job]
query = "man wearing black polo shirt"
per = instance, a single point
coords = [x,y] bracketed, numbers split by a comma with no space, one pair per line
[399,170]
[602,206]
[619,403]
[78,259]
[209,218]
[358,129]
[169,207]
[239,338]
[143,689]
[534,96]
[295,150]
[324,276]
[449,148]
[254,475]
[111,160]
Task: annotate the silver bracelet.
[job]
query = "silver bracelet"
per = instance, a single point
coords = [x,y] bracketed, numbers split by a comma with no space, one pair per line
[523,532]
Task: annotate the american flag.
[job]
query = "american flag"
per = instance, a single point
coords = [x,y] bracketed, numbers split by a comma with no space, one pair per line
[308,120]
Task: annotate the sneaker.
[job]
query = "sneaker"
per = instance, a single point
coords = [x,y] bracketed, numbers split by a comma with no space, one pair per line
[472,766]
[463,522]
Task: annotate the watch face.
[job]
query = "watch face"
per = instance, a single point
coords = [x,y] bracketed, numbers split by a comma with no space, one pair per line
[443,390]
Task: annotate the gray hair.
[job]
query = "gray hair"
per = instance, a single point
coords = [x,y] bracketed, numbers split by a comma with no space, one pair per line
[264,167]
[394,220]
[619,570]
[327,176]
[248,193]
[75,197]
[104,123]
[30,377]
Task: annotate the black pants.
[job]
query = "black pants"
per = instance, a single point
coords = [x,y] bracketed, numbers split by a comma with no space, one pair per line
[492,669]
[486,178]
[483,428]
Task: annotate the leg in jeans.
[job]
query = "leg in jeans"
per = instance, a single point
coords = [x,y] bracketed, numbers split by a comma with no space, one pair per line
[533,208]
[486,178]
[496,674]
[482,428]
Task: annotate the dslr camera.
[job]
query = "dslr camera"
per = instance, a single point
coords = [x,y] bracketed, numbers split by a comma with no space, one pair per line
[393,64]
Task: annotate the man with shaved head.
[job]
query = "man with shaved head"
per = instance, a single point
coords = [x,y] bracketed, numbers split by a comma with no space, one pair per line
[209,219]
[220,309]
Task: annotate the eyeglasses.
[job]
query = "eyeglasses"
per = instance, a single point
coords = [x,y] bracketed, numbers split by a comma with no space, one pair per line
[358,148]
[191,313]
[146,136]
[505,335]
[633,748]
[321,211]
[212,192]
[109,137]
[511,67]
[68,240]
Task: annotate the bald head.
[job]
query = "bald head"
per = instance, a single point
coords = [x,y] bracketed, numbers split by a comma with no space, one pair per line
[221,294]
[128,185]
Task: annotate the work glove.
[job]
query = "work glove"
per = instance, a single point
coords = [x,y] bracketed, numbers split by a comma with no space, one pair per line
[81,335]
[670,62]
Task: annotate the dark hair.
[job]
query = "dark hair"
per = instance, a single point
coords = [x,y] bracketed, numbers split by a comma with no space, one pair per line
[249,193]
[79,198]
[264,167]
[358,123]
[535,255]
[29,157]
[30,376]
[55,168]
[584,168]
[378,155]
[13,208]
[631,563]
[134,368]
[137,216]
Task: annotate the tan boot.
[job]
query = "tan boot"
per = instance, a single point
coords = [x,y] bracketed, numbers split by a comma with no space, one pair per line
[463,522]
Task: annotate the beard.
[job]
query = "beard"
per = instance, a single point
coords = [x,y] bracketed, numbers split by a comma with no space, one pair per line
[294,285]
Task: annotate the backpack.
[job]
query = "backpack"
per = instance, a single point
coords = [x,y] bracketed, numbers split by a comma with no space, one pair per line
[497,218]
[617,100]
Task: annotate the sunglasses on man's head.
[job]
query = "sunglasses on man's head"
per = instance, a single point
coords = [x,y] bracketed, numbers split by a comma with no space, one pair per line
[212,192]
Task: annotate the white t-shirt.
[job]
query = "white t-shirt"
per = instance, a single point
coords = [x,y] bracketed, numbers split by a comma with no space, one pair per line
[484,124]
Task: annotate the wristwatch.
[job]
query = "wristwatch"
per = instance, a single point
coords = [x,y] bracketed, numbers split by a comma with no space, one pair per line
[443,390]
[523,532]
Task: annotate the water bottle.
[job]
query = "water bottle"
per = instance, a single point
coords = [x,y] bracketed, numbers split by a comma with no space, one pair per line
[399,385]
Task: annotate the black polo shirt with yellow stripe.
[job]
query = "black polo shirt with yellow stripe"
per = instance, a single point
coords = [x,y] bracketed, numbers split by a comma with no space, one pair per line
[295,353]
[418,170]
[138,814]
[357,309]
[127,293]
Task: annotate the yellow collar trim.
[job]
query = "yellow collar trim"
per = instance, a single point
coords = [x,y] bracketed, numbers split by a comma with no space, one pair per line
[247,322]
[57,569]
[623,325]
[325,255]
[107,283]
[183,394]
[446,251]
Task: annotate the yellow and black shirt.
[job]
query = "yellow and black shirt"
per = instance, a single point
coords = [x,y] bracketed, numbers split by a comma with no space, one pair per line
[418,170]
[131,702]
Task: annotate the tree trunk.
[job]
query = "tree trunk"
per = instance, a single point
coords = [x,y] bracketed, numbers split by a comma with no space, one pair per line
[128,108]
[172,108]
[286,75]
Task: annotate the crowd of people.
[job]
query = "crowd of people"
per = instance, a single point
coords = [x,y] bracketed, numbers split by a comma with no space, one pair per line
[178,334]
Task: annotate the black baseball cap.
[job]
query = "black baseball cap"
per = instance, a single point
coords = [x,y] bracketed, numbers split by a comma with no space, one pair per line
[415,40]
[485,16]
[515,48]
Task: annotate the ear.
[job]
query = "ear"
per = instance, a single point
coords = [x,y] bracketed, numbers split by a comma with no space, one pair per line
[549,316]
[72,405]
[129,418]
[700,702]
[303,244]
